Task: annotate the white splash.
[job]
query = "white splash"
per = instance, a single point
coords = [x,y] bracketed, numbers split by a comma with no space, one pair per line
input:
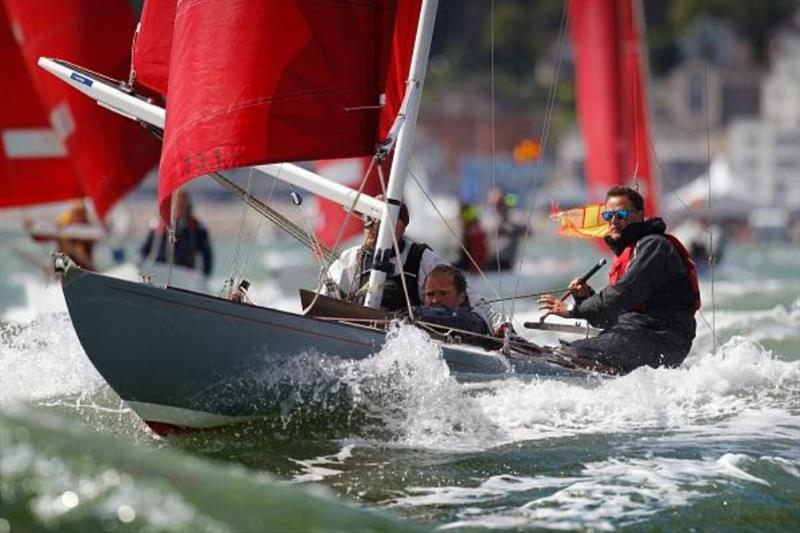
[42,359]
[741,377]
[408,387]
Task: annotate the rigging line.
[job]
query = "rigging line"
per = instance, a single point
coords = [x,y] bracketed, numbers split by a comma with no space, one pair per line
[636,90]
[453,233]
[259,225]
[539,172]
[662,172]
[309,228]
[397,257]
[240,233]
[529,295]
[711,254]
[493,141]
[323,277]
[312,242]
[278,219]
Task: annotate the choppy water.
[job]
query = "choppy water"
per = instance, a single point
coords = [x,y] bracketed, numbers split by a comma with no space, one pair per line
[712,445]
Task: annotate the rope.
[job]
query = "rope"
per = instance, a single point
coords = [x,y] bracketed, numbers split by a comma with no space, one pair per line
[240,237]
[551,97]
[493,142]
[401,266]
[453,233]
[662,172]
[711,257]
[323,276]
[274,216]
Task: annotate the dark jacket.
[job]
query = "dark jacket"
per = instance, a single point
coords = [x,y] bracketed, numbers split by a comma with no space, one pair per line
[462,317]
[654,296]
[191,240]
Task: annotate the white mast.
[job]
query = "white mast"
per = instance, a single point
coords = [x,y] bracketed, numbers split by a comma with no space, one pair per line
[383,247]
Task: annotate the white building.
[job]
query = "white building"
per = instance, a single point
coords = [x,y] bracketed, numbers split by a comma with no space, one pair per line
[767,155]
[780,97]
[766,151]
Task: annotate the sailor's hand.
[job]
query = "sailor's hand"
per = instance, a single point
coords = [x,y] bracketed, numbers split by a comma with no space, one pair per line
[579,289]
[553,306]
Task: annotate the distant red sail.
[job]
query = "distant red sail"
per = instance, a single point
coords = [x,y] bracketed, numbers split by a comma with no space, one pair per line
[109,153]
[612,97]
[291,80]
[348,172]
[34,167]
[153,44]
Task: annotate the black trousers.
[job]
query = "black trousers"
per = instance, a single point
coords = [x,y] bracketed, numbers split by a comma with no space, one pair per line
[626,349]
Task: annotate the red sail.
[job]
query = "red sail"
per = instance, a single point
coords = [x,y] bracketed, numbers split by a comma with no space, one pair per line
[612,97]
[34,167]
[110,154]
[153,44]
[331,215]
[259,81]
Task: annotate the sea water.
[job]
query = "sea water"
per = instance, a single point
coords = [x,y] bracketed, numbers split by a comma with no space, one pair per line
[714,444]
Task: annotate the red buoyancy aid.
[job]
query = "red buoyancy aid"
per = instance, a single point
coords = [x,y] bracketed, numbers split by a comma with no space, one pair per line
[620,264]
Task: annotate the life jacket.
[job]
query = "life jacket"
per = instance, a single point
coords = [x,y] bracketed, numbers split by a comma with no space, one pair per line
[620,264]
[393,294]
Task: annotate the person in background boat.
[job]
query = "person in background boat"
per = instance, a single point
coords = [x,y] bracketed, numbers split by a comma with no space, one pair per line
[699,237]
[191,239]
[347,277]
[648,307]
[503,231]
[446,302]
[79,250]
[473,240]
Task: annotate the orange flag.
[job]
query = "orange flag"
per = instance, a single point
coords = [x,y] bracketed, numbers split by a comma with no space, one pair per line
[582,222]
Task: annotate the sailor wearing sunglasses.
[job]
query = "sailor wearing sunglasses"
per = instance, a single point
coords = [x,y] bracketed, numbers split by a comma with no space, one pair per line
[648,307]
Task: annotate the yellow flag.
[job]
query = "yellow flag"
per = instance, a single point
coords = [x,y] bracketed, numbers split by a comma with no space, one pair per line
[582,222]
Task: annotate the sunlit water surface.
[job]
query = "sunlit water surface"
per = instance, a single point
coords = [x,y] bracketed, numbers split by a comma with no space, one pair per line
[713,444]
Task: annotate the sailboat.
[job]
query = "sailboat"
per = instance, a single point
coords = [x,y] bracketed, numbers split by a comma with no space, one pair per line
[60,146]
[341,80]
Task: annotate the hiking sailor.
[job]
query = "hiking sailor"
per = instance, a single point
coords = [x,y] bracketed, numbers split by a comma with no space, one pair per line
[648,307]
[446,302]
[348,276]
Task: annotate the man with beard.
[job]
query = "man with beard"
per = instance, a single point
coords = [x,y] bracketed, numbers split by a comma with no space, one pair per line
[647,309]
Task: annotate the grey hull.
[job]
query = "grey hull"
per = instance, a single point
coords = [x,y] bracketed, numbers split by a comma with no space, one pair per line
[191,360]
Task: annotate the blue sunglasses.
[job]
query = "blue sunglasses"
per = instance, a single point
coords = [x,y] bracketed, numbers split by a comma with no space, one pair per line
[621,214]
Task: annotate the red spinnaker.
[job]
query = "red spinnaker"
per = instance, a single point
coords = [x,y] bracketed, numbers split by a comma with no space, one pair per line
[261,81]
[612,97]
[34,167]
[109,153]
[153,44]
